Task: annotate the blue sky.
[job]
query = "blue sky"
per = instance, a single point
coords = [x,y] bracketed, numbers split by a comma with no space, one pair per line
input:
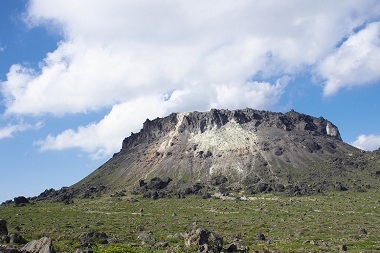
[76,78]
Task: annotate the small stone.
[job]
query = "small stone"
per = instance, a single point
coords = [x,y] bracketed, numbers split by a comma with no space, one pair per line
[362,231]
[342,248]
[260,236]
[145,236]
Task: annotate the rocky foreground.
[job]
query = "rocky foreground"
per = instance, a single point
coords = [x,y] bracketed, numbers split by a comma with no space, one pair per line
[197,239]
[13,242]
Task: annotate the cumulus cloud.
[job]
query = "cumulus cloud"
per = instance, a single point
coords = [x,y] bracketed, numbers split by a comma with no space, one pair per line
[174,56]
[367,142]
[103,138]
[356,62]
[117,50]
[10,130]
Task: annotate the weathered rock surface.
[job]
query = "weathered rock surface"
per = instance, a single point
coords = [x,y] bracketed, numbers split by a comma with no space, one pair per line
[203,240]
[43,245]
[258,151]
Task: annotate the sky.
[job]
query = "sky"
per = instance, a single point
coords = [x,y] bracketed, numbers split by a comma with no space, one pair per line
[78,76]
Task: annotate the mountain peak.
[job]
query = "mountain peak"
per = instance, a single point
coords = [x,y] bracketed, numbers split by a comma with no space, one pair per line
[248,120]
[244,146]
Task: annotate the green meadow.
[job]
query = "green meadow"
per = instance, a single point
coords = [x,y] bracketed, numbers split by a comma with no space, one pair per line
[320,223]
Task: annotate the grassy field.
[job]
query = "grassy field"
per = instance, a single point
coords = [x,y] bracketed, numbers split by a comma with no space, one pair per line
[320,223]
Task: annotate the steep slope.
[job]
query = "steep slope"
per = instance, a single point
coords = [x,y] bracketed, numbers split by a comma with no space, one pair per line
[246,146]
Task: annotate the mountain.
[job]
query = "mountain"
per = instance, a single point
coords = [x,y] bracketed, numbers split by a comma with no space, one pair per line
[247,149]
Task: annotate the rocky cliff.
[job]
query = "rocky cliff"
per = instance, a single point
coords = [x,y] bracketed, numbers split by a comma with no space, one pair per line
[244,146]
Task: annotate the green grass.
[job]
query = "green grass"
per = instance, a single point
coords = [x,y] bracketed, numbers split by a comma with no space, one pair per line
[298,224]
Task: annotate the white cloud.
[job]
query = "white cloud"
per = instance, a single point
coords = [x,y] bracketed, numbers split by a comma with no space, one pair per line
[10,130]
[118,50]
[367,142]
[173,55]
[253,94]
[356,62]
[104,138]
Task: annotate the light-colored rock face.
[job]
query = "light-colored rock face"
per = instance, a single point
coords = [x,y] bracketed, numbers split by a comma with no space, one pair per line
[331,130]
[231,136]
[44,245]
[166,144]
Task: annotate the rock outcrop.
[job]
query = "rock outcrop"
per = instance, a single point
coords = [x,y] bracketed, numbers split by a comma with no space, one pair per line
[21,200]
[258,150]
[43,245]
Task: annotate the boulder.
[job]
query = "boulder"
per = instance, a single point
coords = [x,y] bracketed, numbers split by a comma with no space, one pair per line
[21,200]
[260,237]
[362,231]
[43,245]
[145,237]
[218,180]
[203,240]
[91,238]
[262,187]
[338,186]
[16,239]
[231,248]
[342,248]
[157,183]
[3,227]
[8,249]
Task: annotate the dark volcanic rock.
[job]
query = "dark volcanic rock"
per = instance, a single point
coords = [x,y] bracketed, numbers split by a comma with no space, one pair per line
[21,200]
[16,239]
[3,227]
[157,183]
[88,240]
[218,180]
[260,236]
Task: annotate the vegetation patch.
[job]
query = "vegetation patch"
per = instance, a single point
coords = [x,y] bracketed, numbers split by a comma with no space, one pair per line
[321,223]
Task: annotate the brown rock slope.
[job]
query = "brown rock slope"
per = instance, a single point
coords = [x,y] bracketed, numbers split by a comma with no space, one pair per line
[246,146]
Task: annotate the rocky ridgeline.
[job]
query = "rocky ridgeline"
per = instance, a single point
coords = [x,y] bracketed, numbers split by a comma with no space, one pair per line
[255,151]
[199,122]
